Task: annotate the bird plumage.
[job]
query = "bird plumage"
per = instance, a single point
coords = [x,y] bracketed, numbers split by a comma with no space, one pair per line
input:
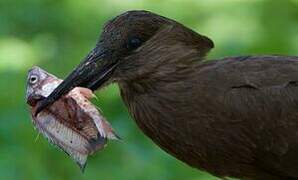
[231,117]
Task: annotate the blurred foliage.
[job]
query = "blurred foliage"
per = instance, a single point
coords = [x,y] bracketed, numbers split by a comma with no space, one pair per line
[56,34]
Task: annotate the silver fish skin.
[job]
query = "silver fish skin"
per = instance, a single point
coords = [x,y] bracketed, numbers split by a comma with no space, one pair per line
[72,123]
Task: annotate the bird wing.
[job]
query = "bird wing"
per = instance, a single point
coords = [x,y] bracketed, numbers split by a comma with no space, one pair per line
[260,95]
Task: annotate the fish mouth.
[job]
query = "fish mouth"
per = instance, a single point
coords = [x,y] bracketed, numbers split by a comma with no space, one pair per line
[33,99]
[92,73]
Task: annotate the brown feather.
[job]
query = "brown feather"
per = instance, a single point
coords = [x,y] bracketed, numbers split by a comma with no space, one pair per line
[229,117]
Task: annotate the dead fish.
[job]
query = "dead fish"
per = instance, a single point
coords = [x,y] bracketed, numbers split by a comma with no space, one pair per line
[72,123]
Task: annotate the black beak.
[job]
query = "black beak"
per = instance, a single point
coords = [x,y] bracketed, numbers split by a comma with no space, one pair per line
[91,73]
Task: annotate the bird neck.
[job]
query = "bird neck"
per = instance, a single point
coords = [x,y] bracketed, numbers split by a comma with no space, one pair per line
[158,102]
[167,84]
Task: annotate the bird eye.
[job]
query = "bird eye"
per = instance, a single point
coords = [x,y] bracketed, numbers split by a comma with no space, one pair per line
[33,79]
[134,43]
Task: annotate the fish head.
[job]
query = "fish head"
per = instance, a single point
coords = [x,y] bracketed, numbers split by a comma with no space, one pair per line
[39,85]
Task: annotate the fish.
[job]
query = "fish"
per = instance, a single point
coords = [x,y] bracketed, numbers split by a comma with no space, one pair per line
[72,123]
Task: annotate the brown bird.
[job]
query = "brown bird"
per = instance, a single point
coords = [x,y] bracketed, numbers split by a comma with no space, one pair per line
[234,117]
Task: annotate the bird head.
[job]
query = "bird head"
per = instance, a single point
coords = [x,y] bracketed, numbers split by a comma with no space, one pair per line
[132,45]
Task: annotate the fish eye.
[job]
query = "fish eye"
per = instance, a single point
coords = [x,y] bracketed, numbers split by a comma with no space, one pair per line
[33,79]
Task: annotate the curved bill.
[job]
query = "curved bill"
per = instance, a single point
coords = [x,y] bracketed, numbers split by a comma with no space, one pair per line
[91,73]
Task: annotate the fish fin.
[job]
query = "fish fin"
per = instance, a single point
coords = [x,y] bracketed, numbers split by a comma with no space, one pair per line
[95,97]
[37,137]
[82,166]
[110,131]
[80,159]
[87,93]
[112,135]
[98,108]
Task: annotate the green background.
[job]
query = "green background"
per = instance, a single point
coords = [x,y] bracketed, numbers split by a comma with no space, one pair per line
[57,34]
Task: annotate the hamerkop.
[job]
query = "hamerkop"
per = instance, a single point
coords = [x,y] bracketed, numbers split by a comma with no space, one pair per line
[233,117]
